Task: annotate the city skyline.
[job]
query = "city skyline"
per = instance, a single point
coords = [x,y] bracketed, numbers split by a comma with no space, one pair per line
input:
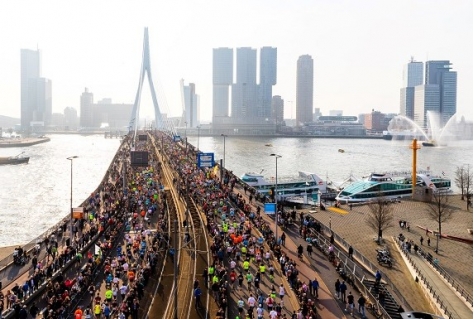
[359,49]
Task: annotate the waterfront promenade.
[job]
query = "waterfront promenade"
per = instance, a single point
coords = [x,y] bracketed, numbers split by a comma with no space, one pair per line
[455,257]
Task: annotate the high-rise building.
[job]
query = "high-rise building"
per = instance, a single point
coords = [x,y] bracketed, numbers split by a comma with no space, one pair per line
[268,78]
[439,73]
[244,90]
[222,78]
[304,90]
[412,76]
[438,94]
[251,100]
[413,73]
[278,106]
[103,113]
[70,119]
[427,98]
[191,105]
[36,92]
[87,104]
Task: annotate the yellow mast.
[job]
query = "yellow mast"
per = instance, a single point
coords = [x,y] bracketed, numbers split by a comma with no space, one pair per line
[414,146]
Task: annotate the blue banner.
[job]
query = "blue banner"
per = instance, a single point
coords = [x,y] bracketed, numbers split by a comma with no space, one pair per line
[176,138]
[269,208]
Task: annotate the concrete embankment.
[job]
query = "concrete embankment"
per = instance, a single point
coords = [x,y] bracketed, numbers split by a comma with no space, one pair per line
[22,142]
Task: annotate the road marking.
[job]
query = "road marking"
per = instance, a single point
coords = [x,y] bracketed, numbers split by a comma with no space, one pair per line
[338,210]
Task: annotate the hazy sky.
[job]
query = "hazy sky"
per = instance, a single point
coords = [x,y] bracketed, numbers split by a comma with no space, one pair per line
[359,47]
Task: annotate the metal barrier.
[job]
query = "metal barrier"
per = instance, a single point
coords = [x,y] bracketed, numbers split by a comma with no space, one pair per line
[439,299]
[351,267]
[368,264]
[451,281]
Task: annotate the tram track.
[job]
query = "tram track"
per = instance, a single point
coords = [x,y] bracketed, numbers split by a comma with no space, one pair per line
[184,221]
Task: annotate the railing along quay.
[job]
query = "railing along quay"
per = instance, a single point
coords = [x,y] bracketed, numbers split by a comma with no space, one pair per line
[438,298]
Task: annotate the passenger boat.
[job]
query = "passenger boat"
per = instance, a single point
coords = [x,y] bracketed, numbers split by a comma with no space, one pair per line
[306,187]
[391,185]
[12,160]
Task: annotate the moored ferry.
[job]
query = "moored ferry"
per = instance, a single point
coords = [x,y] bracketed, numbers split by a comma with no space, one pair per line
[390,185]
[306,184]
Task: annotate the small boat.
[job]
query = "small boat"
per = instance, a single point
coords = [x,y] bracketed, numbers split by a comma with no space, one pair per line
[340,150]
[268,145]
[13,160]
[430,143]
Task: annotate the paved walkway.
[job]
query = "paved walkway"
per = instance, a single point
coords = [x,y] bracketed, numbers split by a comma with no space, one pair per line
[455,257]
[454,304]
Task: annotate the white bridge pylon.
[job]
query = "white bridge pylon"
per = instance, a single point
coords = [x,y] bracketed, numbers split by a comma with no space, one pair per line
[146,69]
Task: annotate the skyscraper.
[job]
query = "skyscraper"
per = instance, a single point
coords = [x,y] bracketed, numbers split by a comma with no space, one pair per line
[244,90]
[87,105]
[191,105]
[304,90]
[413,73]
[412,76]
[268,78]
[222,77]
[439,73]
[36,92]
[251,102]
[278,109]
[439,93]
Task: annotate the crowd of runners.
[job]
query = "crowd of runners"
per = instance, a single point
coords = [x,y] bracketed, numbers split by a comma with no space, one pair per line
[243,246]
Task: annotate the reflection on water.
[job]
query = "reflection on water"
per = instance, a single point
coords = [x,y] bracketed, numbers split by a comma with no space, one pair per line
[35,196]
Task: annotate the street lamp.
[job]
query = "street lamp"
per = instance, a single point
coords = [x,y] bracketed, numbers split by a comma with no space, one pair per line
[186,137]
[224,136]
[71,158]
[199,129]
[276,194]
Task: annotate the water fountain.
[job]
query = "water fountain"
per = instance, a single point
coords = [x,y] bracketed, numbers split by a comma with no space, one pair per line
[401,127]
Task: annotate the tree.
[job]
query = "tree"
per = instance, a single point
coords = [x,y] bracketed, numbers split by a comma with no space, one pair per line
[460,180]
[468,186]
[439,209]
[380,216]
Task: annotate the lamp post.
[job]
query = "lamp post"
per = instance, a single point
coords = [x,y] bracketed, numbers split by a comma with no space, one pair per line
[224,136]
[71,158]
[276,194]
[186,137]
[199,131]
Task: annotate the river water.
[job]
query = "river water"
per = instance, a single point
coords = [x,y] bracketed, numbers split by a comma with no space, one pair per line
[36,196]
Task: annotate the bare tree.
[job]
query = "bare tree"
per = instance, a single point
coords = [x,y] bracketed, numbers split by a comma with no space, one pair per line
[439,210]
[380,216]
[468,186]
[459,180]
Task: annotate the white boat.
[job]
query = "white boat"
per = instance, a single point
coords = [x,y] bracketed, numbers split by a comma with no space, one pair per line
[390,185]
[307,185]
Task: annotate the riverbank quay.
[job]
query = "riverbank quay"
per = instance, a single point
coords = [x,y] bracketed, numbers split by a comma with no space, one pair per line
[350,229]
[57,242]
[22,142]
